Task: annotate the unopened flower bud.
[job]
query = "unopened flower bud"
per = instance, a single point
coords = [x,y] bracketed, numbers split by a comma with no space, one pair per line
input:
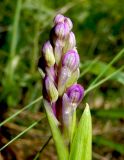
[73,78]
[51,89]
[68,22]
[58,52]
[54,108]
[71,60]
[70,101]
[59,18]
[61,30]
[70,42]
[48,54]
[75,93]
[63,78]
[50,71]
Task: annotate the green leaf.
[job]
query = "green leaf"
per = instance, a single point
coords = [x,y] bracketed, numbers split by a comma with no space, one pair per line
[58,139]
[81,148]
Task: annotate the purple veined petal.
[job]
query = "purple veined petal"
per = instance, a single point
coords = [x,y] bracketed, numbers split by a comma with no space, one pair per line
[50,71]
[54,38]
[70,42]
[73,79]
[68,22]
[75,93]
[59,18]
[58,53]
[63,78]
[67,30]
[58,50]
[47,47]
[54,108]
[48,55]
[62,30]
[71,60]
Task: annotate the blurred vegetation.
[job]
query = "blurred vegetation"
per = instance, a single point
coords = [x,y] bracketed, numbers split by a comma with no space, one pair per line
[99,30]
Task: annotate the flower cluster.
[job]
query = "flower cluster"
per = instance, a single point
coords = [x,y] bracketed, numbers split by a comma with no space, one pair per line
[60,69]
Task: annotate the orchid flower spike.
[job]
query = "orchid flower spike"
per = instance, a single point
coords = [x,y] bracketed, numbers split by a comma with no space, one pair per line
[59,63]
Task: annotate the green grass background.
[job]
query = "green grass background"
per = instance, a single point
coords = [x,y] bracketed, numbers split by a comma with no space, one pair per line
[99,31]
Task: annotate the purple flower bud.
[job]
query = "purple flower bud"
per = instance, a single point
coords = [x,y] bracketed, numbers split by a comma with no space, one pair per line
[61,30]
[72,40]
[70,101]
[58,52]
[75,93]
[59,18]
[70,43]
[48,54]
[63,78]
[71,60]
[54,108]
[68,22]
[50,89]
[50,71]
[73,78]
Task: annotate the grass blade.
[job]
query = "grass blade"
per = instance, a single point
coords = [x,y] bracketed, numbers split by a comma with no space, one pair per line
[38,154]
[119,55]
[21,110]
[89,67]
[15,29]
[19,135]
[103,80]
[97,67]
